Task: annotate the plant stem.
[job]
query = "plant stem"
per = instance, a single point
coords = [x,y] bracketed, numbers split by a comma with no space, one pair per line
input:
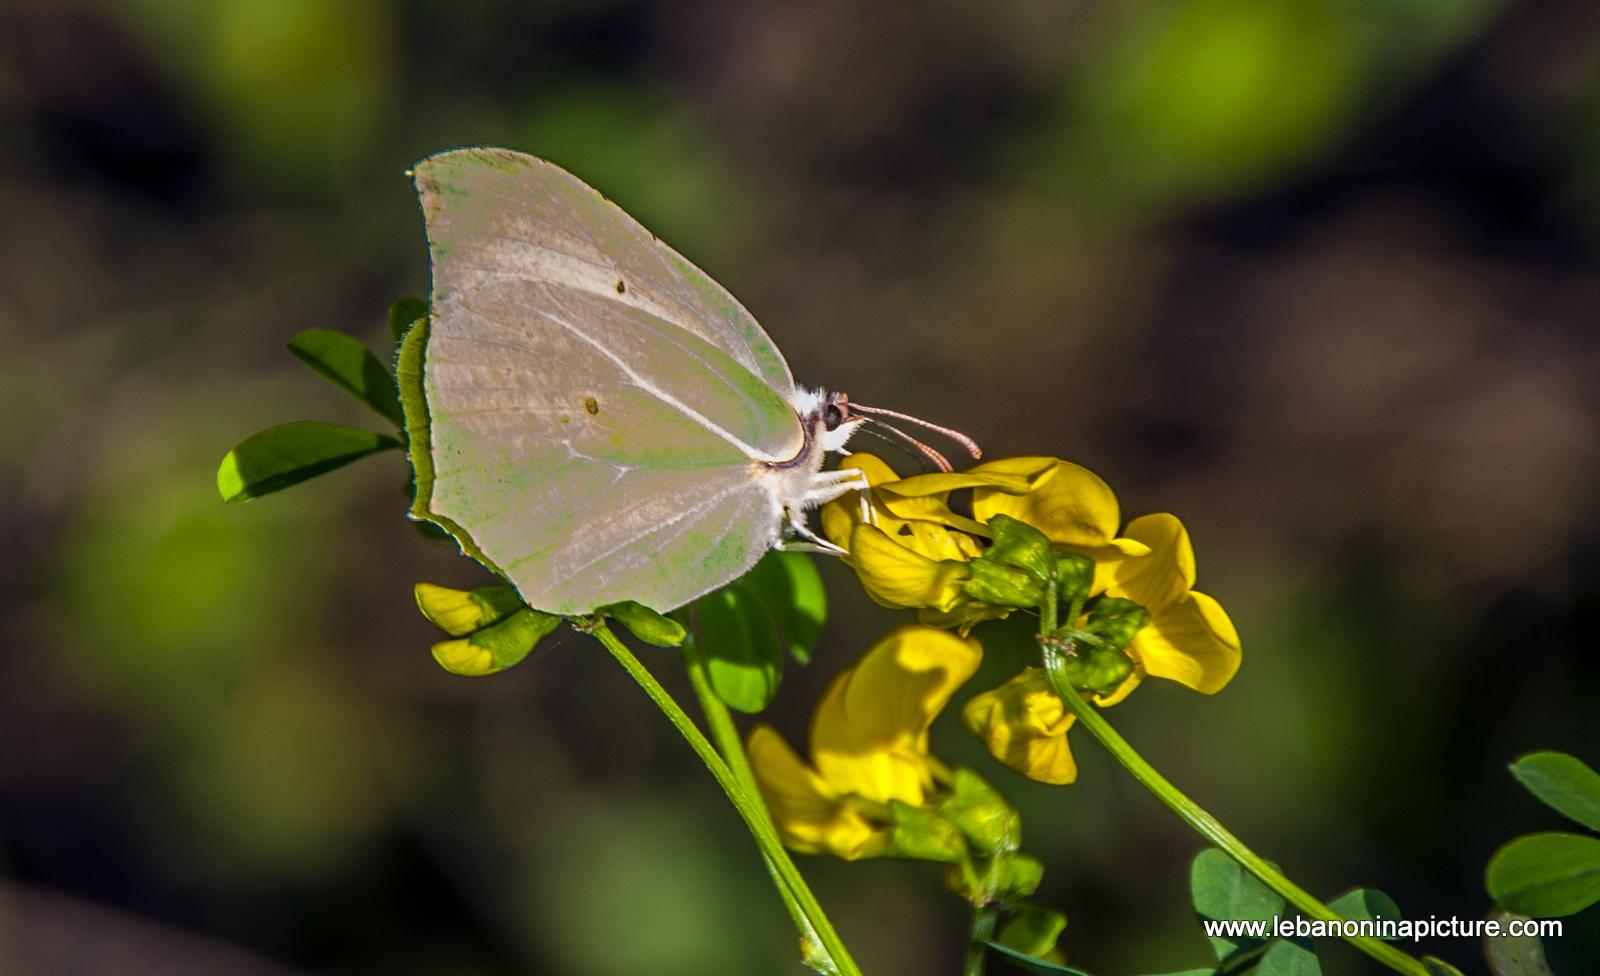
[726,737]
[983,922]
[749,808]
[1208,826]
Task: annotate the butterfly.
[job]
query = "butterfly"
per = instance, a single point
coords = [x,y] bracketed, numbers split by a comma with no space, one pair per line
[589,414]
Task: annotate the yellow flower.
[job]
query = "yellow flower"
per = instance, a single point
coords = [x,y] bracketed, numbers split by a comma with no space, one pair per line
[869,746]
[1024,725]
[1189,638]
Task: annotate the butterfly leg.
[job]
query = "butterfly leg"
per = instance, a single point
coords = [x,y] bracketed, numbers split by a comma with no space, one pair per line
[804,540]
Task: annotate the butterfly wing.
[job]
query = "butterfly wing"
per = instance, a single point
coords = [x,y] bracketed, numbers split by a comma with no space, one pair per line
[550,225]
[586,447]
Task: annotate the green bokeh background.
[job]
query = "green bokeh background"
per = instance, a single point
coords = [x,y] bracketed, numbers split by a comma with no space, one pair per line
[1320,276]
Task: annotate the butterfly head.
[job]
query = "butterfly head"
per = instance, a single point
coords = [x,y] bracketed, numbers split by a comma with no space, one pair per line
[838,423]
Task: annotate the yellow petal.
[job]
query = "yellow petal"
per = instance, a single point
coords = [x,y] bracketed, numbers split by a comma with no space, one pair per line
[1191,642]
[870,733]
[461,656]
[810,817]
[841,515]
[1024,726]
[1163,575]
[939,542]
[1068,503]
[944,482]
[897,576]
[460,612]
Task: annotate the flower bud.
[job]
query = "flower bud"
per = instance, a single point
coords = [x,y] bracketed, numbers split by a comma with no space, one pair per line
[460,612]
[496,647]
[645,624]
[1033,931]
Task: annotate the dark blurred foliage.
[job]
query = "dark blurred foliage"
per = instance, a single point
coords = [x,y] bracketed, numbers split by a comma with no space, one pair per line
[1318,275]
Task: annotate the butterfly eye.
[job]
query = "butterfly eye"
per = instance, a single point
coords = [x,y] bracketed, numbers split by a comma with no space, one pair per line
[832,417]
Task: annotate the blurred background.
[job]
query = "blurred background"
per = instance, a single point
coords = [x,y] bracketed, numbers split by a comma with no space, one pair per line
[1321,276]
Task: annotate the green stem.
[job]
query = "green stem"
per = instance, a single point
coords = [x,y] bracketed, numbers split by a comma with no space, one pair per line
[1209,827]
[983,923]
[726,737]
[749,808]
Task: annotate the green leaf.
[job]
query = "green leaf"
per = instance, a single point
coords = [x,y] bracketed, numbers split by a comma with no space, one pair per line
[1521,955]
[403,314]
[1564,783]
[291,453]
[1289,957]
[1546,875]
[743,659]
[1224,891]
[645,624]
[1032,964]
[1438,967]
[1367,904]
[790,588]
[1033,930]
[349,365]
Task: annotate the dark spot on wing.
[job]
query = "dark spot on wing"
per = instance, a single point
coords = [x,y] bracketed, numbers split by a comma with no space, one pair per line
[622,289]
[591,405]
[566,419]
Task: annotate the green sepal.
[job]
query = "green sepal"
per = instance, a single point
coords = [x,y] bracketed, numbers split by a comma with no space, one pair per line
[1546,875]
[496,647]
[288,454]
[923,835]
[1002,586]
[1032,930]
[1074,578]
[1021,546]
[1006,878]
[1031,964]
[1115,620]
[645,624]
[1224,891]
[403,314]
[744,661]
[460,612]
[348,364]
[1565,784]
[990,824]
[1089,665]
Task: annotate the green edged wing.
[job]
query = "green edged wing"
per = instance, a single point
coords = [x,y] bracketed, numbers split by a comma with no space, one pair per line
[573,436]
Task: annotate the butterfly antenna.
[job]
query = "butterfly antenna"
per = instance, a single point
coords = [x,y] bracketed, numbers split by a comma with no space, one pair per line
[967,443]
[906,439]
